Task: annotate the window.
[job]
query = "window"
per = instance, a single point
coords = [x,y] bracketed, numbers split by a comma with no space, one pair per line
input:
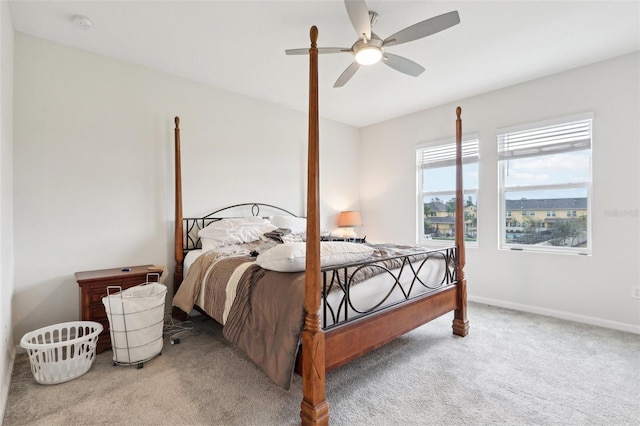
[543,168]
[436,175]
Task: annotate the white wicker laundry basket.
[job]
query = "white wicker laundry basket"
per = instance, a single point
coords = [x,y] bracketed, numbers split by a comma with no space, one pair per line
[136,322]
[61,352]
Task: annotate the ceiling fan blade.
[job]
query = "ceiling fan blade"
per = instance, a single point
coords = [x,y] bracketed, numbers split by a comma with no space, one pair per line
[402,64]
[359,16]
[305,51]
[347,74]
[423,29]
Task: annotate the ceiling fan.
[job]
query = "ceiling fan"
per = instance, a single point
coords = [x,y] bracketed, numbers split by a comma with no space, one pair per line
[370,49]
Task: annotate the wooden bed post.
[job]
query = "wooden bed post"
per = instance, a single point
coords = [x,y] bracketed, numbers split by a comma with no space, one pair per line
[179,237]
[314,409]
[179,253]
[460,321]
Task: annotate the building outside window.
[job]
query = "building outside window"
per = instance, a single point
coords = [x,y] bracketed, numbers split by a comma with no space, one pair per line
[436,176]
[545,168]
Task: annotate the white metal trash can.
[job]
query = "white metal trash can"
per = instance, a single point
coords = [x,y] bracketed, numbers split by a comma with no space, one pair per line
[136,322]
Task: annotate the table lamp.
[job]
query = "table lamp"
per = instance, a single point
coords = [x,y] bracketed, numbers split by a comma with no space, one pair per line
[347,220]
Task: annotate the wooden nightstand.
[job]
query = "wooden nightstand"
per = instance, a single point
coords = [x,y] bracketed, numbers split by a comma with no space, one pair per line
[93,287]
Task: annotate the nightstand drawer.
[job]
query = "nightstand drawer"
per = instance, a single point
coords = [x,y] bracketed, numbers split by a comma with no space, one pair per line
[95,297]
[97,312]
[99,291]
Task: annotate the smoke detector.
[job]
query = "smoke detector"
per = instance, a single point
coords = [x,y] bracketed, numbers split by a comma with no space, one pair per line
[81,22]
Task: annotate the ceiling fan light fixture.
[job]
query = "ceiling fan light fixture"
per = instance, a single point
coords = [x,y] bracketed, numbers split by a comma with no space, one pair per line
[368,55]
[368,52]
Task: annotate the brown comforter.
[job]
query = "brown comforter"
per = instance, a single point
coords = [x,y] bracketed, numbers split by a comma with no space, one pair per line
[266,320]
[267,314]
[262,312]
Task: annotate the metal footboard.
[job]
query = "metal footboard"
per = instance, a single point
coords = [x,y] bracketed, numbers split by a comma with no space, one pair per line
[411,275]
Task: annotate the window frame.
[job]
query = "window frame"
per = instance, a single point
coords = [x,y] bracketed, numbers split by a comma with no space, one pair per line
[474,157]
[586,185]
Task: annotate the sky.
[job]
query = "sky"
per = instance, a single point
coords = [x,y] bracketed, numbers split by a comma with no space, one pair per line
[571,169]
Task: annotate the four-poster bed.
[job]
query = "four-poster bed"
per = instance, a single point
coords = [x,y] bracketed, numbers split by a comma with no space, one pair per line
[342,339]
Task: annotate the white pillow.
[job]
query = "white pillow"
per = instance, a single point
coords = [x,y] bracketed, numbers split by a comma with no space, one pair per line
[290,257]
[298,225]
[225,226]
[233,231]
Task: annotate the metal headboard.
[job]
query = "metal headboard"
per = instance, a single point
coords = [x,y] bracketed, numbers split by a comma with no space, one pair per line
[194,224]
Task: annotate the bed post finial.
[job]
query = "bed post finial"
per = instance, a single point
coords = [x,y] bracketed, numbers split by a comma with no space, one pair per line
[458,113]
[313,35]
[177,121]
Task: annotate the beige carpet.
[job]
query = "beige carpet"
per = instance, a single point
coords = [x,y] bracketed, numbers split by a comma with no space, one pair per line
[513,369]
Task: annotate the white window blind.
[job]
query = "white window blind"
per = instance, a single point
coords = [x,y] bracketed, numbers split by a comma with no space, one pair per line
[565,137]
[443,155]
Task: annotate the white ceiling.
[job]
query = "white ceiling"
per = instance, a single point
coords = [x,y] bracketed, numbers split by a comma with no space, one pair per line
[239,45]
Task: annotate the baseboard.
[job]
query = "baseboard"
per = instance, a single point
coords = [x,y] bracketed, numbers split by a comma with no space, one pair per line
[615,325]
[4,396]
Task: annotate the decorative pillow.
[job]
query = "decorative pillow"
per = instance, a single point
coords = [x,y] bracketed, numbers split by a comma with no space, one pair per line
[233,231]
[290,257]
[298,225]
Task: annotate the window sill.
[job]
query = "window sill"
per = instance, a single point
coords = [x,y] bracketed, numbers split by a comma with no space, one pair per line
[441,243]
[546,250]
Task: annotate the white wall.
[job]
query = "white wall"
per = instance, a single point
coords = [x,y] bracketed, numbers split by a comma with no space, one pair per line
[6,201]
[595,289]
[94,167]
[93,177]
